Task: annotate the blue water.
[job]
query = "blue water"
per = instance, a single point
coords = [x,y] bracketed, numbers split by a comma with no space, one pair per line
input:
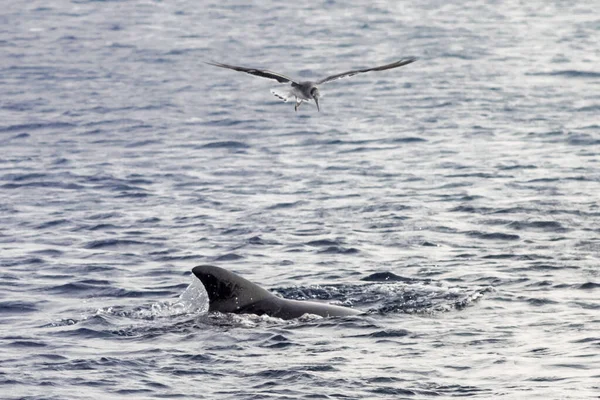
[454,200]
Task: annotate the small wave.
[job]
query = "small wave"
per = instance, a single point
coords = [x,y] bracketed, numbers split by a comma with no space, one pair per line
[492,236]
[111,243]
[570,73]
[583,140]
[286,205]
[225,145]
[229,257]
[339,250]
[322,243]
[17,307]
[387,277]
[27,344]
[546,226]
[51,185]
[51,224]
[409,139]
[143,143]
[35,126]
[589,285]
[387,333]
[257,240]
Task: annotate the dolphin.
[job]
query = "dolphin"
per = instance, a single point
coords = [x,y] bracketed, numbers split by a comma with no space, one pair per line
[230,293]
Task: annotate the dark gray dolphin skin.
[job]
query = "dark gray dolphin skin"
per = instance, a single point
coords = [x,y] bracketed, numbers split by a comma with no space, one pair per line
[230,293]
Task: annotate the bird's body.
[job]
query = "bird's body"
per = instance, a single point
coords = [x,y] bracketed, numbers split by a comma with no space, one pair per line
[301,91]
[307,91]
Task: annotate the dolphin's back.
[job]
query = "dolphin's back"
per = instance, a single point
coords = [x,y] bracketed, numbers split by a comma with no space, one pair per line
[230,293]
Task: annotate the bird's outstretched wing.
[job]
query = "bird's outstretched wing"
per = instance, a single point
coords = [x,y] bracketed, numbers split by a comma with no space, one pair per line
[396,64]
[258,72]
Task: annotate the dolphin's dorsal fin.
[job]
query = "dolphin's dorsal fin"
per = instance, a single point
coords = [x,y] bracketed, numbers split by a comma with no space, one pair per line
[228,292]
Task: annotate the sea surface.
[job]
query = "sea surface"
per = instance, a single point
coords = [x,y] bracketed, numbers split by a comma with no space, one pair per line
[455,201]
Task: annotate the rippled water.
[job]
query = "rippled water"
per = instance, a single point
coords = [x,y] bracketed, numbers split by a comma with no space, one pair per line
[455,200]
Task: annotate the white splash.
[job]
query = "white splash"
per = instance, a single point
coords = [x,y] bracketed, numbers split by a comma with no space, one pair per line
[193,300]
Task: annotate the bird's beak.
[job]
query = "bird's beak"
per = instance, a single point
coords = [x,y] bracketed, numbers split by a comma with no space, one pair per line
[317,102]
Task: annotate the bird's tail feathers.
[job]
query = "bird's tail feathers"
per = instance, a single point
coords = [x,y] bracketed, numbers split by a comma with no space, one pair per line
[284,95]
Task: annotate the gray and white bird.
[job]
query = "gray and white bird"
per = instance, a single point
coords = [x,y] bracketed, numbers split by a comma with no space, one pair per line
[307,91]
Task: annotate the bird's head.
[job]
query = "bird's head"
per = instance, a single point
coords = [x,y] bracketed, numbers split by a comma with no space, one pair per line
[314,93]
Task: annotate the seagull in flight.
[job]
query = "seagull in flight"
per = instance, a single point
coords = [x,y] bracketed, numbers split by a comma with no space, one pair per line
[307,91]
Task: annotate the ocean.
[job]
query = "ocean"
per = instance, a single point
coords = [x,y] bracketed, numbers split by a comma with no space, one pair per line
[454,201]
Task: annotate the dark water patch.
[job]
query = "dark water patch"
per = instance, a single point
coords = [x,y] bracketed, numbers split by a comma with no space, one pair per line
[544,266]
[277,342]
[286,205]
[195,358]
[472,209]
[48,252]
[457,390]
[480,175]
[20,261]
[20,177]
[76,288]
[385,379]
[593,340]
[283,375]
[409,139]
[17,307]
[225,145]
[36,126]
[27,344]
[91,268]
[539,302]
[545,226]
[542,284]
[492,236]
[569,73]
[49,185]
[84,333]
[143,143]
[92,288]
[60,161]
[583,140]
[151,220]
[393,391]
[105,215]
[52,224]
[111,244]
[237,231]
[169,258]
[323,243]
[585,306]
[362,149]
[573,366]
[501,257]
[589,285]
[16,137]
[133,195]
[547,379]
[229,257]
[387,277]
[317,368]
[594,108]
[513,210]
[339,250]
[517,167]
[259,241]
[103,227]
[53,357]
[387,333]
